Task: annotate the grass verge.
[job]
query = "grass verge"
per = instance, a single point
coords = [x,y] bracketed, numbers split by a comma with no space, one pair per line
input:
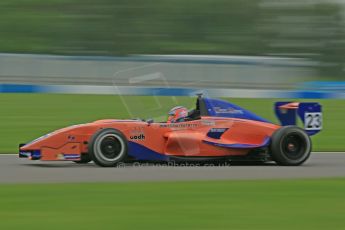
[301,204]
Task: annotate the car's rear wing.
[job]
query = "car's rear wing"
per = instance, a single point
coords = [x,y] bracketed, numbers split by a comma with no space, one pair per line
[309,112]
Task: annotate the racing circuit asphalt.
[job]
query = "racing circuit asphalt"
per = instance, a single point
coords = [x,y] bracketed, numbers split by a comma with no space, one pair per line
[15,170]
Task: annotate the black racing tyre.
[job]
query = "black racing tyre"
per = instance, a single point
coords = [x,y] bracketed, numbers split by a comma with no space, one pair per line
[108,147]
[290,146]
[84,159]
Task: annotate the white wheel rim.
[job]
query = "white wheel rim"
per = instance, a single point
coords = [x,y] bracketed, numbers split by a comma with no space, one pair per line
[97,147]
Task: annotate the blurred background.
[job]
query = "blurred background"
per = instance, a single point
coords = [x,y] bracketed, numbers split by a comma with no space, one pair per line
[312,30]
[65,62]
[62,61]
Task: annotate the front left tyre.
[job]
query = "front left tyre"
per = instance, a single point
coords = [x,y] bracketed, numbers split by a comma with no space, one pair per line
[108,147]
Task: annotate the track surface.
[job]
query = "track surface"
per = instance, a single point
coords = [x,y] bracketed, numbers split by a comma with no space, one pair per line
[15,170]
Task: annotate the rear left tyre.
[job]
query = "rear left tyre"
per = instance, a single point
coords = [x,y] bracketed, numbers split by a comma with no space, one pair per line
[290,146]
[108,147]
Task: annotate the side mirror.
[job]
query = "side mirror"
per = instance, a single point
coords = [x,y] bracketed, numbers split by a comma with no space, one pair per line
[149,121]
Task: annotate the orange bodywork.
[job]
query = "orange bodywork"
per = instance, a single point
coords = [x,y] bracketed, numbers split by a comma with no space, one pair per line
[292,105]
[204,137]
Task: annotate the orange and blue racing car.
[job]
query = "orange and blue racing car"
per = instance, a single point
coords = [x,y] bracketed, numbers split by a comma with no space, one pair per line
[215,130]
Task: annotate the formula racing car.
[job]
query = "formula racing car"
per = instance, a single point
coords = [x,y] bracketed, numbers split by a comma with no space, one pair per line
[215,130]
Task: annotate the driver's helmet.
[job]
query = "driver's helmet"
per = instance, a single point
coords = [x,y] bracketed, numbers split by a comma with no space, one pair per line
[177,114]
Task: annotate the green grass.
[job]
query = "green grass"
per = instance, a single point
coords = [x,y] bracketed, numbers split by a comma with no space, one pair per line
[24,117]
[302,204]
[125,27]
